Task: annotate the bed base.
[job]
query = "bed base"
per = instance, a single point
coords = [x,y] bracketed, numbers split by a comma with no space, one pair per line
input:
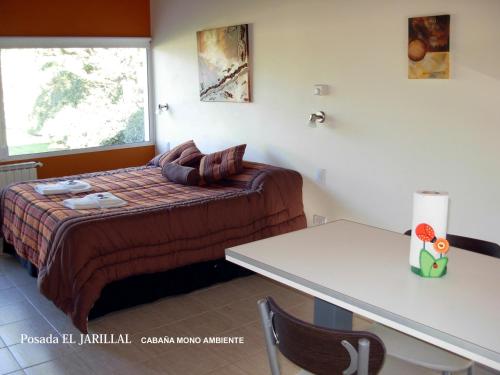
[140,289]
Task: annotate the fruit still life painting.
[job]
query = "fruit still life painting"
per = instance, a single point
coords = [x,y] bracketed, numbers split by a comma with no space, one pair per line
[429,47]
[429,265]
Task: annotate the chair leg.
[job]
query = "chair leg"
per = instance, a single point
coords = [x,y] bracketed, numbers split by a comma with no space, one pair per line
[470,371]
[270,343]
[363,356]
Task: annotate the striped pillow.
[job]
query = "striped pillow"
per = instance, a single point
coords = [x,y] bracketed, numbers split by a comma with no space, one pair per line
[186,154]
[222,164]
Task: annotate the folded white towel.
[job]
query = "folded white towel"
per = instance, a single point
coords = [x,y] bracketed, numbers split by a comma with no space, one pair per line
[82,189]
[96,200]
[63,187]
[49,189]
[81,203]
[108,200]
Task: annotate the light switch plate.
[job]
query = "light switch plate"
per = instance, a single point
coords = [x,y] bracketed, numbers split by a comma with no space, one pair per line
[320,90]
[321,176]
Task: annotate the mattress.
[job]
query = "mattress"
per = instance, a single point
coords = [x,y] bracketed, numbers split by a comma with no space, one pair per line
[164,226]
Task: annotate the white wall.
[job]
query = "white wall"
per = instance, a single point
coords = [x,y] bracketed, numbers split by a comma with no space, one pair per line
[386,136]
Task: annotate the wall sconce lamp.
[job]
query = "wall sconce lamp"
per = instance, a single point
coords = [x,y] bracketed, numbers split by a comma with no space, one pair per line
[162,108]
[316,118]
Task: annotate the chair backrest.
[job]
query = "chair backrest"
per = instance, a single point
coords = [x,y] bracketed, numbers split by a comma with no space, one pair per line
[471,244]
[317,349]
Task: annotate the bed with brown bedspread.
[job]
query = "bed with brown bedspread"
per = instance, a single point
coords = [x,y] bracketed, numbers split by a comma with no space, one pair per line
[164,226]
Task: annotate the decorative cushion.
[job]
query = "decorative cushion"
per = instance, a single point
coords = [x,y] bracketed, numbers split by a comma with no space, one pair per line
[181,174]
[154,161]
[222,164]
[186,154]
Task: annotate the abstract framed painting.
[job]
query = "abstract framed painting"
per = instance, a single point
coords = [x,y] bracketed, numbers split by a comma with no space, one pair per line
[223,64]
[429,47]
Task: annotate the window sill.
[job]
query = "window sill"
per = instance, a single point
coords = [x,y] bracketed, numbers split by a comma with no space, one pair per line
[73,152]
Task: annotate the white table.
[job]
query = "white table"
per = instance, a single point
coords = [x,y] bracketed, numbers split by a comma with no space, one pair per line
[351,267]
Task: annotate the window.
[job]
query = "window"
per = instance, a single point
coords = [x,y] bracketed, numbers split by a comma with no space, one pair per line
[73,94]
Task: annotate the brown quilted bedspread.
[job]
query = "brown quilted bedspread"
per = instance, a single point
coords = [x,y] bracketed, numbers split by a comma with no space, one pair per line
[164,226]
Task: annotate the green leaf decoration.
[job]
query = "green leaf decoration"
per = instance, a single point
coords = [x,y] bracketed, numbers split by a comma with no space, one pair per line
[439,267]
[430,266]
[426,262]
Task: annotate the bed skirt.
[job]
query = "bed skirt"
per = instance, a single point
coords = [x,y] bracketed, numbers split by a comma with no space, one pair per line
[146,288]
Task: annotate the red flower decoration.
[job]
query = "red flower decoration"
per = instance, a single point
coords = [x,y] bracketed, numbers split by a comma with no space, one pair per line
[425,232]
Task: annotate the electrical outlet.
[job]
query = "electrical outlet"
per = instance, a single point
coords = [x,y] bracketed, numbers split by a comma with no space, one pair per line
[319,220]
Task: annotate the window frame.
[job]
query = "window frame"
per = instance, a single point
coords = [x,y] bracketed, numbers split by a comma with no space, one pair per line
[89,42]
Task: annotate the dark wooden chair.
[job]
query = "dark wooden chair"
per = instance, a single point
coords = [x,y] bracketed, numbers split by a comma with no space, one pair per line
[471,244]
[316,349]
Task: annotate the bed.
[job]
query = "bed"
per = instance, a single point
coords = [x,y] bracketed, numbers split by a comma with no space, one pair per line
[165,227]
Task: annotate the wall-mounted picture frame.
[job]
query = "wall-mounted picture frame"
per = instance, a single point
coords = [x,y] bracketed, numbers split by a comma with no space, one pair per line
[223,57]
[429,47]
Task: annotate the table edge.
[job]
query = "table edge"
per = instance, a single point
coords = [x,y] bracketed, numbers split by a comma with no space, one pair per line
[441,339]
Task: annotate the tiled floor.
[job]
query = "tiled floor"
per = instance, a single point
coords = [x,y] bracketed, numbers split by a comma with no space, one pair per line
[223,310]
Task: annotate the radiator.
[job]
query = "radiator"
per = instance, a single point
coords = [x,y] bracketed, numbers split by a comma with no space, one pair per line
[18,172]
